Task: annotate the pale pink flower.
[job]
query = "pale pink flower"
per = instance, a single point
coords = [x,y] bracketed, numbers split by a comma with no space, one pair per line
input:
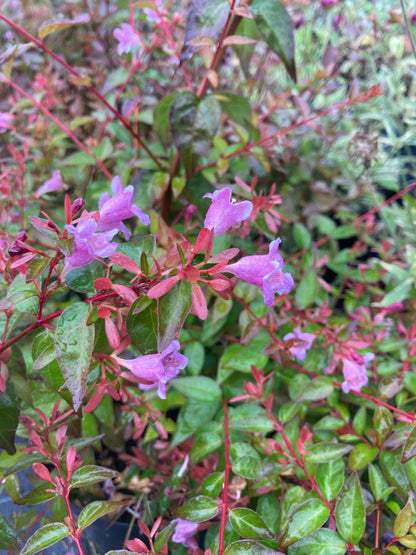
[223,214]
[6,121]
[354,370]
[300,347]
[54,183]
[127,38]
[184,532]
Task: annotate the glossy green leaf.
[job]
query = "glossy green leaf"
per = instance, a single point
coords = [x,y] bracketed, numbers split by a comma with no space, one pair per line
[163,536]
[321,542]
[95,510]
[378,483]
[308,517]
[204,444]
[59,25]
[395,473]
[330,478]
[200,388]
[252,468]
[408,541]
[37,495]
[350,511]
[249,524]
[246,28]
[9,418]
[238,109]
[36,266]
[142,325]
[82,279]
[74,341]
[242,357]
[198,509]
[326,451]
[383,424]
[250,418]
[249,547]
[8,537]
[316,389]
[268,507]
[409,448]
[45,537]
[361,456]
[196,354]
[276,27]
[173,308]
[23,296]
[213,485]
[192,416]
[91,474]
[161,118]
[404,519]
[193,124]
[307,290]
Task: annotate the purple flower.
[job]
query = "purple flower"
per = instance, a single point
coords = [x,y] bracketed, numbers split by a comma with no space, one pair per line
[265,271]
[119,207]
[126,37]
[184,532]
[158,368]
[88,244]
[223,214]
[354,370]
[299,349]
[55,183]
[6,121]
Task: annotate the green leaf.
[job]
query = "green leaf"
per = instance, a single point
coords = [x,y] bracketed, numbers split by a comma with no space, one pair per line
[192,416]
[251,468]
[213,485]
[307,290]
[95,510]
[377,482]
[36,266]
[163,536]
[383,424]
[161,118]
[330,478]
[241,357]
[302,236]
[195,353]
[204,444]
[360,456]
[249,547]
[404,519]
[249,524]
[316,389]
[308,517]
[193,124]
[103,150]
[45,537]
[250,418]
[198,509]
[82,279]
[37,495]
[60,24]
[173,308]
[91,474]
[276,27]
[8,538]
[142,325]
[409,448]
[23,296]
[395,473]
[326,451]
[200,388]
[268,507]
[9,418]
[321,542]
[350,511]
[237,108]
[74,341]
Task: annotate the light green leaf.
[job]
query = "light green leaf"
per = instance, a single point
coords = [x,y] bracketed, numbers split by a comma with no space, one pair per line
[198,509]
[45,537]
[95,510]
[350,511]
[249,524]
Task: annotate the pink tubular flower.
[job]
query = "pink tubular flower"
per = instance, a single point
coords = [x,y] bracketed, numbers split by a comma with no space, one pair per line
[55,183]
[119,207]
[6,121]
[265,271]
[127,38]
[299,348]
[354,370]
[157,369]
[223,214]
[184,532]
[88,244]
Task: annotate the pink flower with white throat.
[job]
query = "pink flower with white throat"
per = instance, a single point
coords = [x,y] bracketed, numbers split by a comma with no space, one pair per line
[127,38]
[223,214]
[355,370]
[113,210]
[265,271]
[299,348]
[157,369]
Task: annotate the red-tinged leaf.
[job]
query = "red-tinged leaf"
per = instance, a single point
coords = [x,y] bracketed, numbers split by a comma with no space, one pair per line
[199,303]
[219,284]
[112,334]
[45,537]
[68,209]
[103,283]
[224,256]
[125,262]
[125,293]
[237,39]
[201,240]
[162,287]
[41,471]
[137,545]
[409,449]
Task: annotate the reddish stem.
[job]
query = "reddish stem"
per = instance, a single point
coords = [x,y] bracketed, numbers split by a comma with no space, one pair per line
[96,93]
[29,329]
[224,507]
